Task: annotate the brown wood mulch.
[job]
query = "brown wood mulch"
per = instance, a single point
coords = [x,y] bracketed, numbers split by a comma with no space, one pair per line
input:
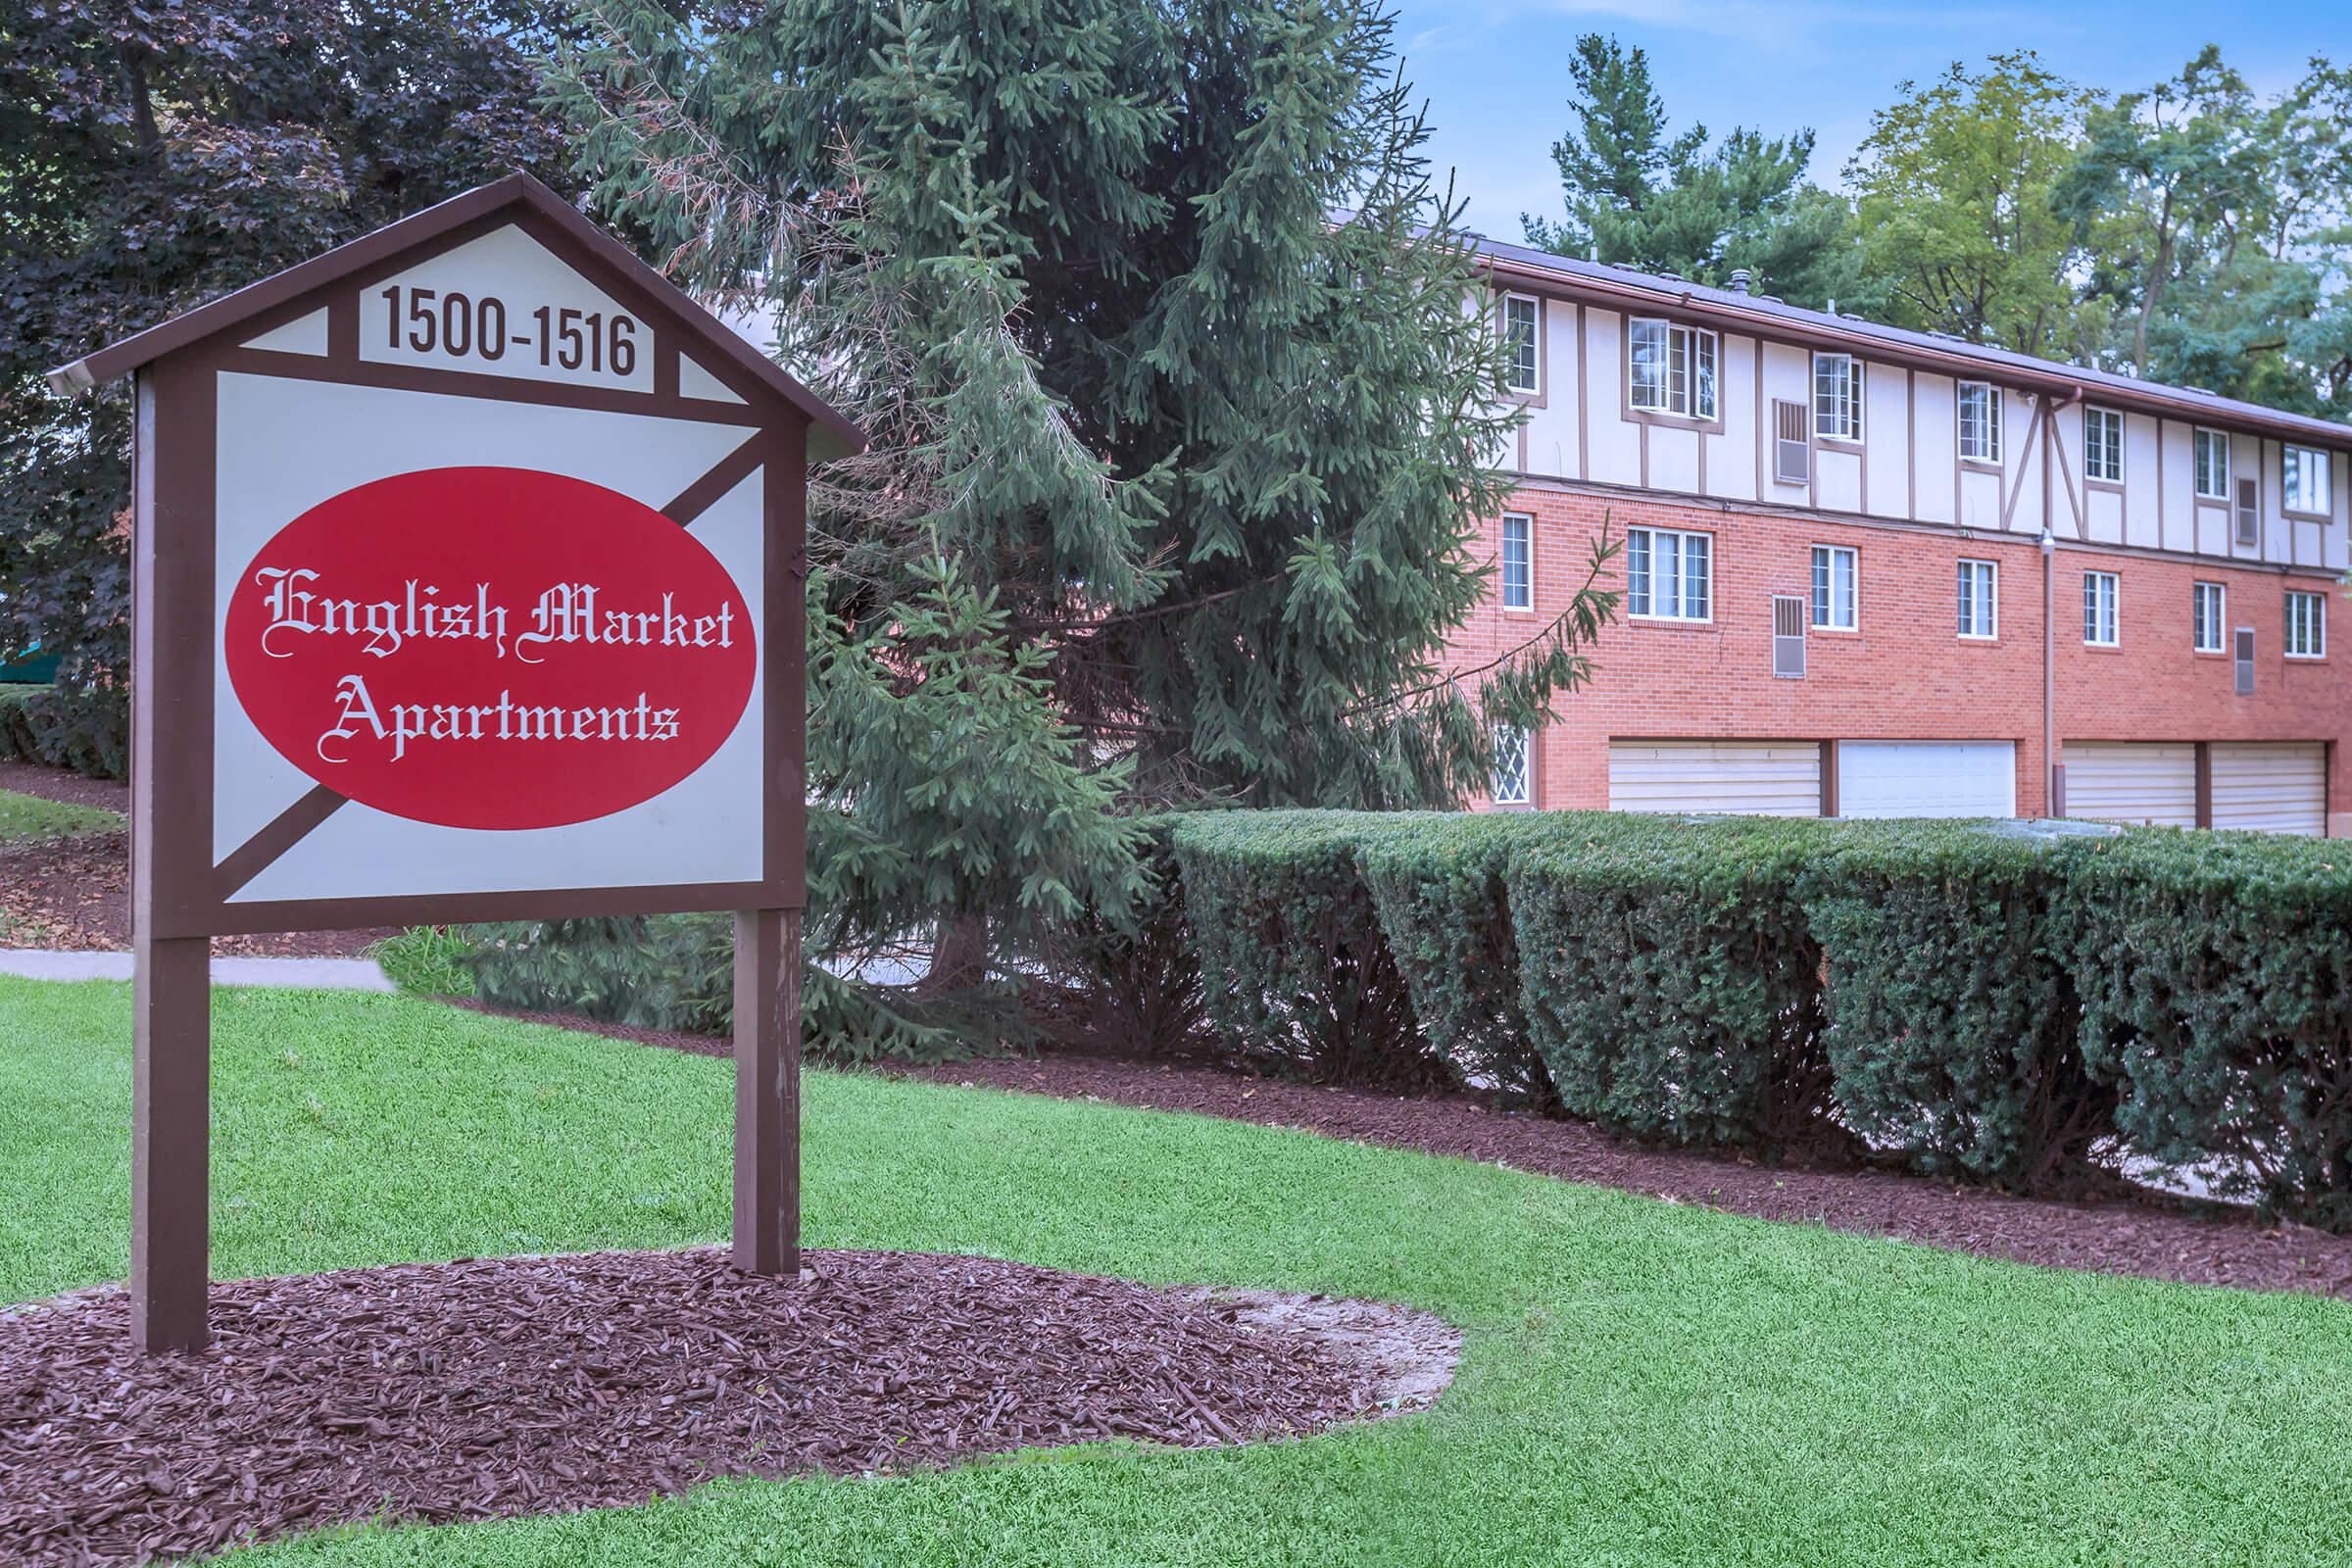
[487,1388]
[74,893]
[2147,1233]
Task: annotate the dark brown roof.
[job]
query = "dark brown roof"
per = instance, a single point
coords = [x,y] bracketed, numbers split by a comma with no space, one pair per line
[1759,314]
[830,435]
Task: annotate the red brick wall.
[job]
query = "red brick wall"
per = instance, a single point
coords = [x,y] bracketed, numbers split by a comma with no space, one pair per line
[1904,674]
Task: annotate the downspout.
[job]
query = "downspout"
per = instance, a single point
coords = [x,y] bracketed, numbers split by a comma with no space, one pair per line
[2054,775]
[2053,796]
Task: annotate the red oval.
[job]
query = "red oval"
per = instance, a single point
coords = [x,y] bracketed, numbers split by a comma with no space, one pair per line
[490,648]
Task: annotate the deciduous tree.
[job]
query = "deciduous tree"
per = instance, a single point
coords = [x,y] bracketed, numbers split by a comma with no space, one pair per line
[152,156]
[1956,185]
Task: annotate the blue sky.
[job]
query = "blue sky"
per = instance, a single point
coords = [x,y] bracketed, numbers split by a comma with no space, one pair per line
[1492,71]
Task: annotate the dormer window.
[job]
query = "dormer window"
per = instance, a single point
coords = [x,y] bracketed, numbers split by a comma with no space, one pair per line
[1671,370]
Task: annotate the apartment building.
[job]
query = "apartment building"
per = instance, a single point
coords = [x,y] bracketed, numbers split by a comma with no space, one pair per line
[1868,571]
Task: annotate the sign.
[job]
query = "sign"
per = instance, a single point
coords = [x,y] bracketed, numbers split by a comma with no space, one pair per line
[490,648]
[466,586]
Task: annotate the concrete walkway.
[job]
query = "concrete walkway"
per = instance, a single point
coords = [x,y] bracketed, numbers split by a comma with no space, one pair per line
[296,974]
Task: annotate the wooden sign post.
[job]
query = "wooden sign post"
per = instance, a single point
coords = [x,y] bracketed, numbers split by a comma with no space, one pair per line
[466,586]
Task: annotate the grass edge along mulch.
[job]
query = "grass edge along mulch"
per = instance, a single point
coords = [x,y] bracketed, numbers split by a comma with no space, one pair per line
[500,1388]
[2155,1239]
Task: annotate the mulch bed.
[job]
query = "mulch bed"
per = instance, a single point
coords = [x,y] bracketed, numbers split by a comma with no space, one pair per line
[2149,1235]
[74,893]
[486,1389]
[2145,1233]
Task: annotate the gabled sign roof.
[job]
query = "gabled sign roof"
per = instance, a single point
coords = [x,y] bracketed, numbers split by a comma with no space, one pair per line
[830,434]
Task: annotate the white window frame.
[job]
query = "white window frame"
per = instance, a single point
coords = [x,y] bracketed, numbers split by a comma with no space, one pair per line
[1526,526]
[1688,362]
[1988,420]
[1836,397]
[2296,466]
[2102,613]
[2306,624]
[2109,446]
[2201,625]
[1641,544]
[1822,601]
[1531,346]
[1991,579]
[1521,787]
[2210,479]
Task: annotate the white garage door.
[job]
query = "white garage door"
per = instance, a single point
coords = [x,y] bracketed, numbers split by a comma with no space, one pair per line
[1926,778]
[1759,778]
[2137,782]
[2271,786]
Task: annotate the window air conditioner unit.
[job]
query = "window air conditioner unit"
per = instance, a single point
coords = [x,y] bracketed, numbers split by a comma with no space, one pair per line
[1792,442]
[1788,636]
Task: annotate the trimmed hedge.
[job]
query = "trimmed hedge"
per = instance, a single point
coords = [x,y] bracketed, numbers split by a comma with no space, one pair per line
[1992,1002]
[1952,1026]
[1437,882]
[1671,982]
[1295,972]
[2216,977]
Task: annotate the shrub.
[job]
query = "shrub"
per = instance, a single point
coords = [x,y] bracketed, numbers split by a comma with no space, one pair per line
[648,972]
[1438,882]
[1951,1025]
[429,961]
[1671,982]
[1140,984]
[2216,977]
[87,731]
[1295,970]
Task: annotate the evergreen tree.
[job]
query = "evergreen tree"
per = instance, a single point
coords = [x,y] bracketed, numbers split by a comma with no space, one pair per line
[1174,476]
[1637,195]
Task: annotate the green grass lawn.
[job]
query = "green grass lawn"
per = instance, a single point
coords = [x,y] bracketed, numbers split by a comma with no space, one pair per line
[29,816]
[1642,1383]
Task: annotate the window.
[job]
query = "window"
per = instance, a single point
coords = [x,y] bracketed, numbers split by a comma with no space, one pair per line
[2306,624]
[1522,368]
[1838,397]
[1833,588]
[1668,575]
[1511,771]
[2213,465]
[1980,421]
[2208,606]
[2307,487]
[2098,608]
[1980,599]
[2103,445]
[1671,370]
[1518,561]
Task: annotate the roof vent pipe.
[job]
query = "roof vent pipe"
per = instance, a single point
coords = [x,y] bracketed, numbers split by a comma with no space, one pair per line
[1739,276]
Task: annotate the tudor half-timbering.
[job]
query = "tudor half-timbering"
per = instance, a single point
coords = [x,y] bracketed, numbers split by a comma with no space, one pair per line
[1868,571]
